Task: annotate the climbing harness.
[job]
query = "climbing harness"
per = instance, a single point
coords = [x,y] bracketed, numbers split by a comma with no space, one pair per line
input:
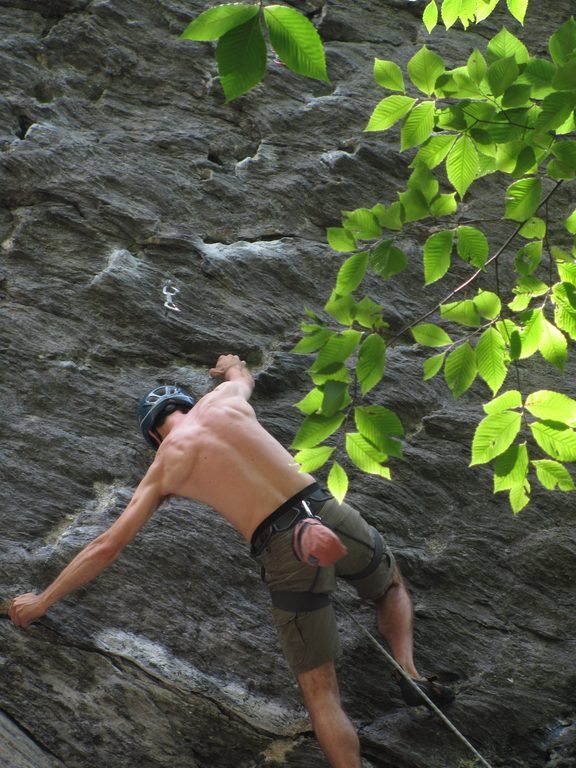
[169,292]
[407,677]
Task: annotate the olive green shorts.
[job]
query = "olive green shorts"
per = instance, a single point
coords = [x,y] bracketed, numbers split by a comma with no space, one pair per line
[308,634]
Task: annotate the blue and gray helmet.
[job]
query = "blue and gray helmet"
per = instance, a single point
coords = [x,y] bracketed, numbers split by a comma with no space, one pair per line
[154,405]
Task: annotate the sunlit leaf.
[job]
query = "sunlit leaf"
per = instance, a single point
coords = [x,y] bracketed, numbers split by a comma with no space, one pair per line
[371,362]
[462,164]
[311,459]
[352,272]
[494,435]
[430,335]
[388,75]
[490,359]
[315,429]
[553,475]
[556,439]
[424,69]
[437,253]
[417,126]
[389,111]
[337,482]
[460,369]
[504,402]
[215,22]
[433,365]
[511,468]
[523,199]
[552,406]
[296,41]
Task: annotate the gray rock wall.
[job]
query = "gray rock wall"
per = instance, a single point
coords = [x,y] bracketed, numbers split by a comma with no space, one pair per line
[121,168]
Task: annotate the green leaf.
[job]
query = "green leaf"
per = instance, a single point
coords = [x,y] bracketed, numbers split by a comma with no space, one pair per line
[556,439]
[296,41]
[535,228]
[528,258]
[369,314]
[388,260]
[365,455]
[518,9]
[312,402]
[484,8]
[335,397]
[423,180]
[337,482]
[414,205]
[553,475]
[523,199]
[311,459]
[555,109]
[389,217]
[450,10]
[434,150]
[552,406]
[341,308]
[505,45]
[472,246]
[444,205]
[437,252]
[566,152]
[516,95]
[352,272]
[462,164]
[494,435]
[504,402]
[389,111]
[565,76]
[553,345]
[540,73]
[337,349]
[312,342]
[315,429]
[371,362]
[570,223]
[362,223]
[430,15]
[490,357]
[488,304]
[388,75]
[215,22]
[501,74]
[511,468]
[460,369]
[377,422]
[340,239]
[563,42]
[433,365]
[241,58]
[463,312]
[424,68]
[519,497]
[417,126]
[476,66]
[430,335]
[380,429]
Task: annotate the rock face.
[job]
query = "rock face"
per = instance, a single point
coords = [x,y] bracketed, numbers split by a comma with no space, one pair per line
[121,168]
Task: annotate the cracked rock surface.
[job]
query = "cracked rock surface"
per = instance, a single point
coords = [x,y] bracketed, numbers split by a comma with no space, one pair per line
[121,168]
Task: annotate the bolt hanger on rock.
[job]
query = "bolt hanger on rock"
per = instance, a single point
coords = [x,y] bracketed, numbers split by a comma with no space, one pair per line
[169,292]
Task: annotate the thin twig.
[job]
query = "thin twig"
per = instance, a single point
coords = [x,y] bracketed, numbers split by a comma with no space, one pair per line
[473,277]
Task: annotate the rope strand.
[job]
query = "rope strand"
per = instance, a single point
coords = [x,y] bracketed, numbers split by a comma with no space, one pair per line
[406,676]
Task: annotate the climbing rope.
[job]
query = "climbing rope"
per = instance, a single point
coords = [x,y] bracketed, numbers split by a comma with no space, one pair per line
[407,677]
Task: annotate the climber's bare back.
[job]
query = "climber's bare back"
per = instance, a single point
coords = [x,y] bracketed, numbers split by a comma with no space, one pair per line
[219,454]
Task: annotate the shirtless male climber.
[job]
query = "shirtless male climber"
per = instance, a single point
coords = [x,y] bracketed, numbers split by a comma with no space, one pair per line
[215,451]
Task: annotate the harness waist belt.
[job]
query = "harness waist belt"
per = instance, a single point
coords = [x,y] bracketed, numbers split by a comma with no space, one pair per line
[285,517]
